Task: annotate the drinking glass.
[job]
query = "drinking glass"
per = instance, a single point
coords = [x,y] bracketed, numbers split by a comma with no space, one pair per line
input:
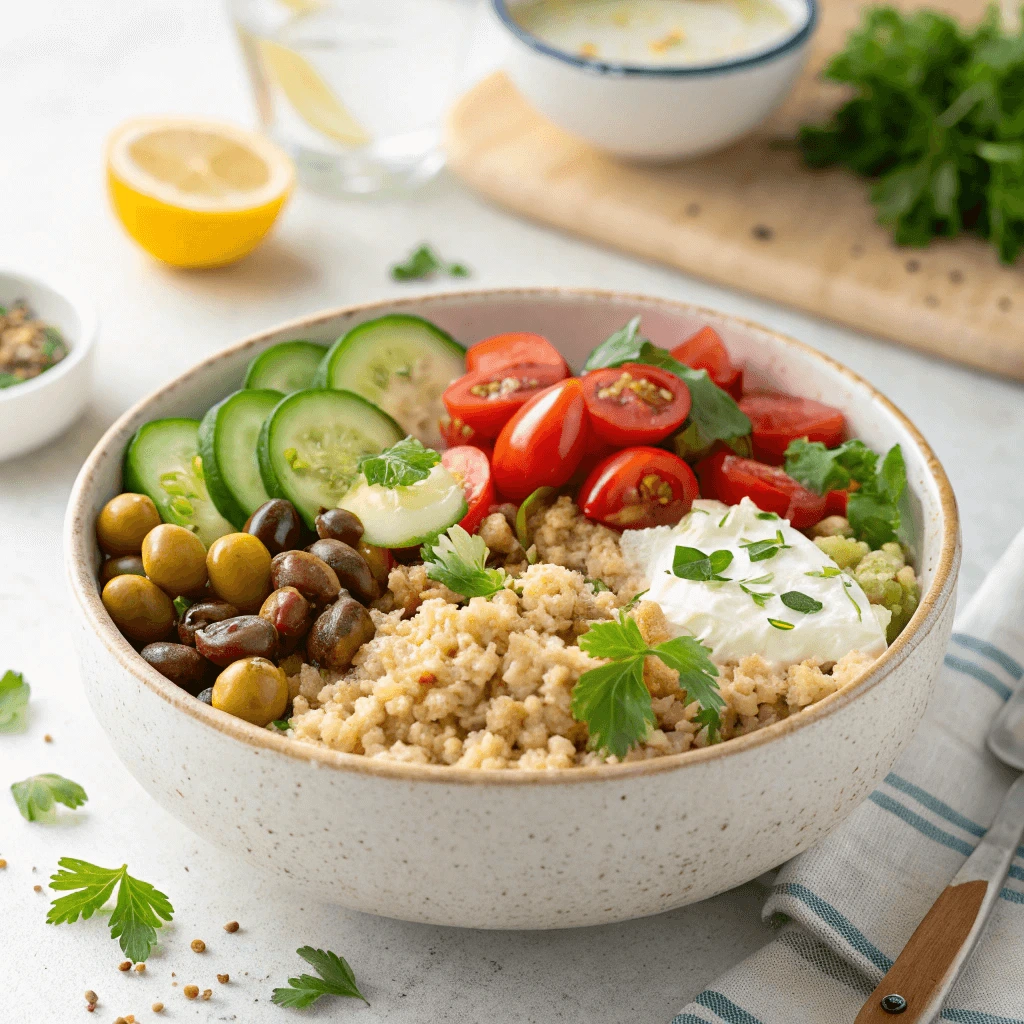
[355,90]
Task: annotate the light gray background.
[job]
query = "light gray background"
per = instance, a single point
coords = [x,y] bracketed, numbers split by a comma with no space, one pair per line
[69,72]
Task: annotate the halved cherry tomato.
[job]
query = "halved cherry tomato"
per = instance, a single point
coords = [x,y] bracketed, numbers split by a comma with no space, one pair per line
[768,487]
[485,400]
[472,468]
[778,419]
[635,404]
[454,432]
[705,351]
[513,349]
[835,503]
[637,488]
[543,443]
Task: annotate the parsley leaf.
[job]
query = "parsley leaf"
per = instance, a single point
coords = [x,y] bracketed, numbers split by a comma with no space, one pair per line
[822,469]
[406,462]
[139,911]
[614,701]
[336,979]
[800,602]
[14,694]
[693,564]
[423,262]
[459,561]
[38,796]
[714,414]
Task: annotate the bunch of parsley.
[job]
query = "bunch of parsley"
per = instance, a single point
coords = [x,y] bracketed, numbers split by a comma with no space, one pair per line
[938,120]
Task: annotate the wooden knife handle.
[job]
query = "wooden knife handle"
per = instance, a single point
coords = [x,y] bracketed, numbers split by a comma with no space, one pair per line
[923,967]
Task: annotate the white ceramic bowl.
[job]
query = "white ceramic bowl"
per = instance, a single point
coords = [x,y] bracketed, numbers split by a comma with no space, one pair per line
[37,410]
[657,113]
[517,849]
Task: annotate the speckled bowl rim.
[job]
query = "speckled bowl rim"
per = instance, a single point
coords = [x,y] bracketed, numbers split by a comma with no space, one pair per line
[82,578]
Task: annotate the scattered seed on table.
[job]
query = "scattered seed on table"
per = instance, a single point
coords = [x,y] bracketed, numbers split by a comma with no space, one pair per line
[207,992]
[191,991]
[120,1020]
[3,864]
[90,996]
[231,926]
[125,965]
[157,1007]
[223,978]
[91,1007]
[47,738]
[198,946]
[37,888]
[140,968]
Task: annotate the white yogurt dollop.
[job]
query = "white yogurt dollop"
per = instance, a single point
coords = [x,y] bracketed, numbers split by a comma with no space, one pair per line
[730,621]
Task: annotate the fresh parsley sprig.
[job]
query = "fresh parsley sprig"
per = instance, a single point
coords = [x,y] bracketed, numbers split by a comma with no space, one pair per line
[336,979]
[14,694]
[37,797]
[405,463]
[140,909]
[614,701]
[459,560]
[714,414]
[423,262]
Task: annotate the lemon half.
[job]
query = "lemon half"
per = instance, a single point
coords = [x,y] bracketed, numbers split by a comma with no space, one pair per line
[193,192]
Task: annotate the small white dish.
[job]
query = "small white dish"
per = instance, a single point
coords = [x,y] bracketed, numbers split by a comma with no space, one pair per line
[37,410]
[657,112]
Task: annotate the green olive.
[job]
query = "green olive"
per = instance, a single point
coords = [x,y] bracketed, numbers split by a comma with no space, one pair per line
[175,559]
[123,523]
[121,566]
[139,608]
[239,569]
[254,689]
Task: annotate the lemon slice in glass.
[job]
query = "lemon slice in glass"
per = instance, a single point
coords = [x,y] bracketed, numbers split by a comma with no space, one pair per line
[193,192]
[313,99]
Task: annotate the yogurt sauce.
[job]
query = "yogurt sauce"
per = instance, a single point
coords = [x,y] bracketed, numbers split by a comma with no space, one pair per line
[730,621]
[656,32]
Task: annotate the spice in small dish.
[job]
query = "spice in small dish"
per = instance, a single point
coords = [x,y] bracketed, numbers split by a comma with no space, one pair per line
[28,347]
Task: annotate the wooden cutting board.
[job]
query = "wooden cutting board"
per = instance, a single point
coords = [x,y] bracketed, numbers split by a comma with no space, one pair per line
[752,217]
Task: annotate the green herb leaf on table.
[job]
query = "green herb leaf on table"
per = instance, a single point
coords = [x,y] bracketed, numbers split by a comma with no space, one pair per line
[405,463]
[139,910]
[37,797]
[459,561]
[423,262]
[693,564]
[14,694]
[336,979]
[799,602]
[613,699]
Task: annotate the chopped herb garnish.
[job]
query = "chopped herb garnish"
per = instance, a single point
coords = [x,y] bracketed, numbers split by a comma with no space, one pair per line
[139,911]
[459,560]
[827,572]
[762,550]
[181,605]
[598,586]
[822,469]
[281,724]
[766,515]
[694,564]
[424,262]
[633,601]
[721,522]
[405,463]
[847,585]
[800,602]
[759,597]
[37,797]
[14,694]
[613,700]
[781,623]
[336,979]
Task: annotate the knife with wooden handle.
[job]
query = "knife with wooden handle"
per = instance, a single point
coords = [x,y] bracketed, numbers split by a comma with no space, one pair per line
[919,981]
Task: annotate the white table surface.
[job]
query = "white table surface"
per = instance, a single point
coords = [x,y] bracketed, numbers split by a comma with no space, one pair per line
[69,72]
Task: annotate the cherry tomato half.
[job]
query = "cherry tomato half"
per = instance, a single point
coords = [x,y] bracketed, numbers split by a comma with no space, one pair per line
[514,349]
[705,351]
[485,400]
[638,487]
[835,503]
[778,419]
[542,444]
[635,404]
[472,467]
[768,487]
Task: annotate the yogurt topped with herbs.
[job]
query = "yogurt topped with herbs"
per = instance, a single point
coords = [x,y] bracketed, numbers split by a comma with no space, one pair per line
[657,32]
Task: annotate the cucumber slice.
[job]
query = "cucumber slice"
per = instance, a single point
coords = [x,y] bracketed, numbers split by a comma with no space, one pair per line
[310,445]
[401,517]
[287,367]
[163,461]
[227,443]
[401,363]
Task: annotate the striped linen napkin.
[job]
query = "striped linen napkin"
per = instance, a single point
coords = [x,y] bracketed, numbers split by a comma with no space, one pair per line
[848,906]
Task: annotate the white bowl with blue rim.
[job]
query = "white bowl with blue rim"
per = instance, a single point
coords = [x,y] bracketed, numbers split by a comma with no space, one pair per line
[657,111]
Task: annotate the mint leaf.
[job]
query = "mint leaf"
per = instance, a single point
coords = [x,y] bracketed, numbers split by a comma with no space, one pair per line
[692,564]
[38,796]
[459,560]
[800,602]
[336,979]
[405,463]
[14,694]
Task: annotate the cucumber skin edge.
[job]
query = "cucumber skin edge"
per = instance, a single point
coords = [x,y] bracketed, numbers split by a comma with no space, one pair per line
[247,386]
[223,500]
[130,479]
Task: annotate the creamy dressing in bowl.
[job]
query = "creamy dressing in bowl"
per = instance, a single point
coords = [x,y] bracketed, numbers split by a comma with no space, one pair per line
[658,33]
